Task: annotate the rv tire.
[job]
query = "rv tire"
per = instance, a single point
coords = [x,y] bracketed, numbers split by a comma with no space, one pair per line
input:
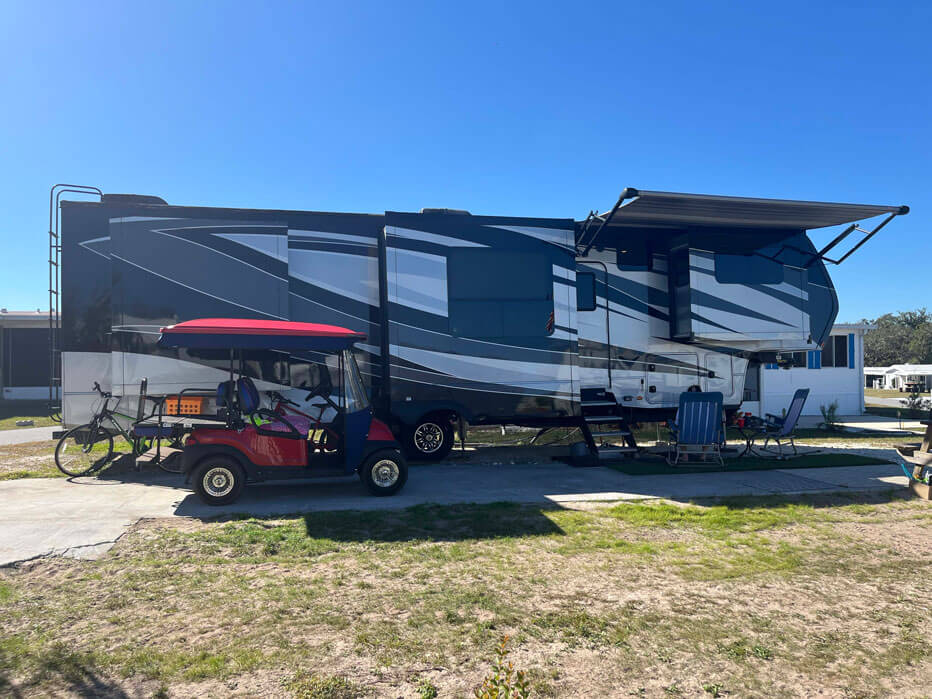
[430,439]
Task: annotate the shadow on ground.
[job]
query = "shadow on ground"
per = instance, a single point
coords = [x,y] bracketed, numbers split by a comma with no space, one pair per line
[75,673]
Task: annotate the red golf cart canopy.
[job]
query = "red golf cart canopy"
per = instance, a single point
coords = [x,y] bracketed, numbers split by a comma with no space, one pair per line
[244,333]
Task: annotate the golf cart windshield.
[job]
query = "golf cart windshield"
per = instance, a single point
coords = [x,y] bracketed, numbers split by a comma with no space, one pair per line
[356,398]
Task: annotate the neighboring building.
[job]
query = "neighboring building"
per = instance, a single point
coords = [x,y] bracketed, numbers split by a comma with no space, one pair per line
[899,377]
[834,373]
[24,355]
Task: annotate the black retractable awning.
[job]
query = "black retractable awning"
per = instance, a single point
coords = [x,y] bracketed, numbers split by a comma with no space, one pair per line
[720,216]
[671,208]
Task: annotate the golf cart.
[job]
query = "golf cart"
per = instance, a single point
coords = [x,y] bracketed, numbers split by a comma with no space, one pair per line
[246,442]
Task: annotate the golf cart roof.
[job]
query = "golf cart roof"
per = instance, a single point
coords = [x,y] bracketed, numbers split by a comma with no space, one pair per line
[244,333]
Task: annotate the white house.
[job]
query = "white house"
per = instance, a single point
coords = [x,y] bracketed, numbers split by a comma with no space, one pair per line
[834,373]
[899,377]
[24,355]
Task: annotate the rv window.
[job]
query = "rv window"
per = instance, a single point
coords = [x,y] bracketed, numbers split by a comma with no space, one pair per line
[496,293]
[747,269]
[585,291]
[634,256]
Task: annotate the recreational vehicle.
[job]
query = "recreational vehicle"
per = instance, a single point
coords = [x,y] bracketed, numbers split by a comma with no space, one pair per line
[471,319]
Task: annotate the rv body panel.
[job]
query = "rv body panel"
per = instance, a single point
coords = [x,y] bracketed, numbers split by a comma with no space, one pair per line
[472,315]
[480,316]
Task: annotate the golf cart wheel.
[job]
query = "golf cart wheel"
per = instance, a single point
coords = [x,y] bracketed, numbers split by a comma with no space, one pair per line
[218,480]
[384,472]
[430,439]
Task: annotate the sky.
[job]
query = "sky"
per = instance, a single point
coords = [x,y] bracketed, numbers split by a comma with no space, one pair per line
[503,108]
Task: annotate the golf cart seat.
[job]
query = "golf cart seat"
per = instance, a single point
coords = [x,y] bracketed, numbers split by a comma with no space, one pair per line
[250,404]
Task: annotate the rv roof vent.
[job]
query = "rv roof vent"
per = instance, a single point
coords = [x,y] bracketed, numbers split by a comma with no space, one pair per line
[132,199]
[458,212]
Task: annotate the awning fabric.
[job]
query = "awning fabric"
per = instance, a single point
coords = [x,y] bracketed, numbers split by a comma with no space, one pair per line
[671,208]
[244,333]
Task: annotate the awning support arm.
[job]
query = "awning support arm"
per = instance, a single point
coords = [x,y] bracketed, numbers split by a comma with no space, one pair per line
[627,193]
[855,227]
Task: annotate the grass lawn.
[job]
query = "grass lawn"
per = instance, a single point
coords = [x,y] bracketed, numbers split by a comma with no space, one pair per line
[883,393]
[748,598]
[889,411]
[13,410]
[37,459]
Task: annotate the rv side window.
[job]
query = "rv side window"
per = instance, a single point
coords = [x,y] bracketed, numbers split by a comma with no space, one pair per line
[496,293]
[747,269]
[634,256]
[585,291]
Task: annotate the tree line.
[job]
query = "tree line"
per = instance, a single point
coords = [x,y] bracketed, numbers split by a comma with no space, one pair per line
[900,338]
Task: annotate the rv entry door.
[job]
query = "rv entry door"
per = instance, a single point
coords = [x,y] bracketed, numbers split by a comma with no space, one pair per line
[595,343]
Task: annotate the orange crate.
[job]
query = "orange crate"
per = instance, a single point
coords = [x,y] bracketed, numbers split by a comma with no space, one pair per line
[189,405]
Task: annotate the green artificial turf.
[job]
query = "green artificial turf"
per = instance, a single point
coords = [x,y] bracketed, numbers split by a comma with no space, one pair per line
[654,465]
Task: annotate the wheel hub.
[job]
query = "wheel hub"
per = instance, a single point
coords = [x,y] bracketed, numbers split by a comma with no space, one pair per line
[385,473]
[428,437]
[218,481]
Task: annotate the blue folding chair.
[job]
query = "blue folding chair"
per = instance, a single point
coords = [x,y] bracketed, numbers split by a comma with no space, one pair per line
[781,430]
[699,428]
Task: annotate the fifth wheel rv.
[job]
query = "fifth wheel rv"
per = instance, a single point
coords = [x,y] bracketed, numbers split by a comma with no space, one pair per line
[470,319]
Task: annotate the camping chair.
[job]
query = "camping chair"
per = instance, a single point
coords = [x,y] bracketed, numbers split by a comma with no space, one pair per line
[699,427]
[781,430]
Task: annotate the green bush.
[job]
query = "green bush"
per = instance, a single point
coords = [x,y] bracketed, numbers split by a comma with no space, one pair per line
[829,416]
[504,682]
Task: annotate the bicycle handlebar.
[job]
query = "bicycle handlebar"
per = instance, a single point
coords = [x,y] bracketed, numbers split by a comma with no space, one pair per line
[103,394]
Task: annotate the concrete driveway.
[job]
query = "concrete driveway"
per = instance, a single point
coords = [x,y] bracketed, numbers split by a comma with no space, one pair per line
[23,435]
[84,517]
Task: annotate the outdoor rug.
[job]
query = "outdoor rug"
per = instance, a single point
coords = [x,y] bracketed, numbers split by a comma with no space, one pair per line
[652,464]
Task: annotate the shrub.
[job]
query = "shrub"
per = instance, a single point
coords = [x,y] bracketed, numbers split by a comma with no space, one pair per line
[504,682]
[915,404]
[829,416]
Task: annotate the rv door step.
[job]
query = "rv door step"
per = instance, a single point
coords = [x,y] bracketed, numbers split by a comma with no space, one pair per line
[597,403]
[614,433]
[609,452]
[603,418]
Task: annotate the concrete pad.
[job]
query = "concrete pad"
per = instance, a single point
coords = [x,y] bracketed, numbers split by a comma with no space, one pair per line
[83,517]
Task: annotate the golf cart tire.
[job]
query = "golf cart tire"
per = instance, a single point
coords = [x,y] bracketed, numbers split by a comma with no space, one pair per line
[218,467]
[376,473]
[420,434]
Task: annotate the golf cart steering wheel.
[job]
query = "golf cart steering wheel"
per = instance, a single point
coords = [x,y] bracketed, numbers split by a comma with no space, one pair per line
[279,398]
[320,391]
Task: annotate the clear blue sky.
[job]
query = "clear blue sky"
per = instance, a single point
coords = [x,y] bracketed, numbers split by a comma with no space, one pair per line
[502,108]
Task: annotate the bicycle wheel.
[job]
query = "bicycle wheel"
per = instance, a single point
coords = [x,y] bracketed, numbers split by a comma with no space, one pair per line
[83,449]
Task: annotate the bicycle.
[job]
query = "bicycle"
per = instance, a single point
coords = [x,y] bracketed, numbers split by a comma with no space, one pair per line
[88,448]
[322,437]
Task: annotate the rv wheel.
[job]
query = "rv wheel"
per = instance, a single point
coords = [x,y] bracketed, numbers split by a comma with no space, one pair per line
[219,480]
[431,438]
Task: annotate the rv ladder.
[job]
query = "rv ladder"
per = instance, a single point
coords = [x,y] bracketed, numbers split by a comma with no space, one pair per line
[55,359]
